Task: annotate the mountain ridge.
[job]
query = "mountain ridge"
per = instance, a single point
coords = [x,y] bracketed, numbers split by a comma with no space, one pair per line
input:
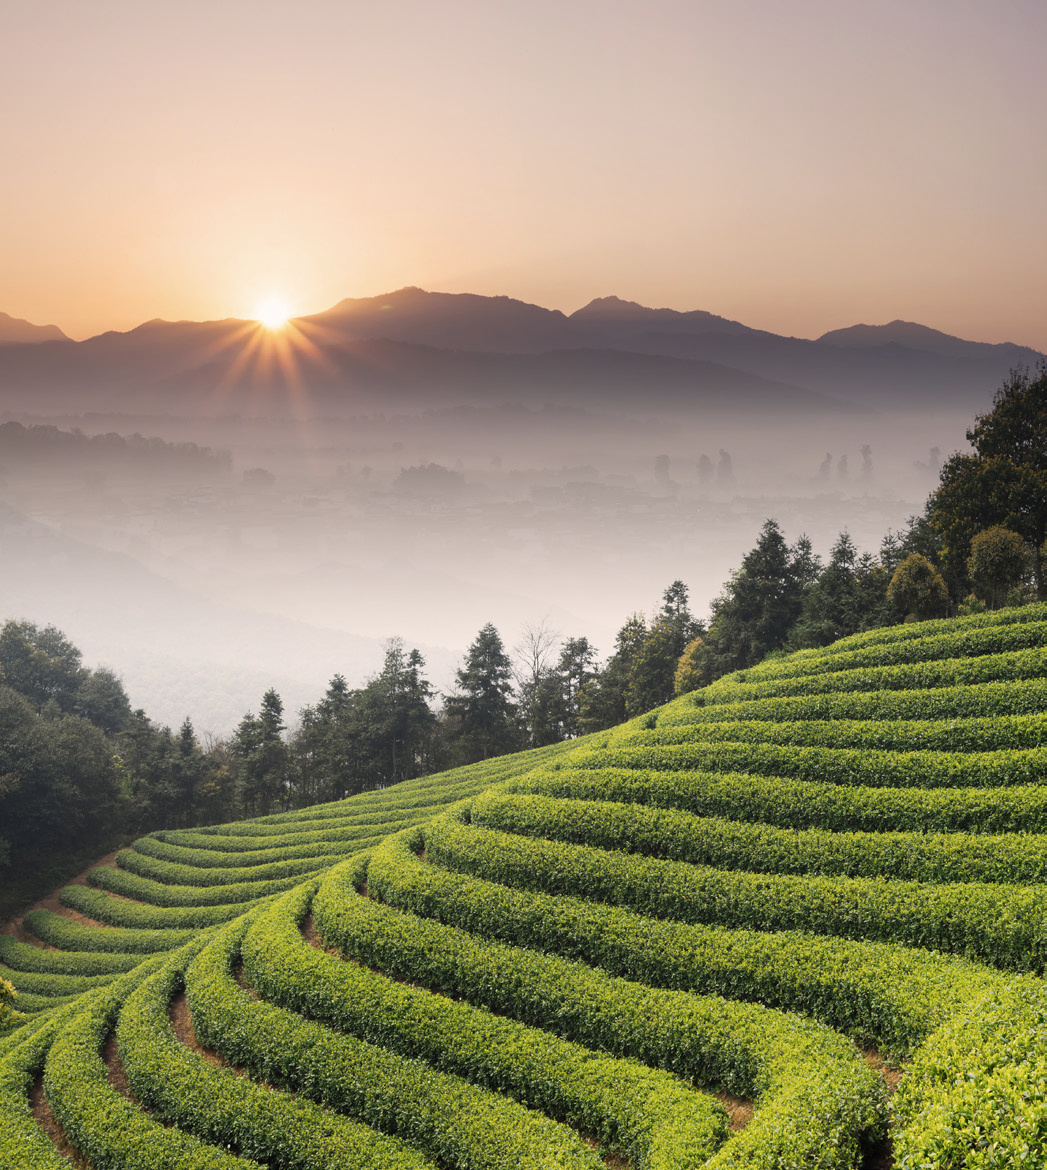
[499,346]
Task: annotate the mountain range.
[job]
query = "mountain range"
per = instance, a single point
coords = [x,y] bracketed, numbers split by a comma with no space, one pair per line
[413,349]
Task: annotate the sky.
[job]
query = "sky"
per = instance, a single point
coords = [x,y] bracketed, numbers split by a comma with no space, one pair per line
[800,167]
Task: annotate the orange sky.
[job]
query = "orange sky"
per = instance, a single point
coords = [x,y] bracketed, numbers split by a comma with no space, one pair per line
[797,166]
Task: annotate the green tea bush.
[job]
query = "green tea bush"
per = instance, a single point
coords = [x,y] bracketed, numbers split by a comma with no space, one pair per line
[816,1098]
[892,996]
[826,765]
[456,1122]
[107,1128]
[130,885]
[993,733]
[975,1095]
[170,873]
[66,935]
[21,956]
[120,912]
[231,1111]
[680,836]
[802,804]
[986,699]
[945,672]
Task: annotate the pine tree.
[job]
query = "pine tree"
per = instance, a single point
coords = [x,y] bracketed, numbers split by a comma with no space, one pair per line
[481,711]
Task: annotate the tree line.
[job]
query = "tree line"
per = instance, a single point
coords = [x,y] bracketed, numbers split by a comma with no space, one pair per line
[78,764]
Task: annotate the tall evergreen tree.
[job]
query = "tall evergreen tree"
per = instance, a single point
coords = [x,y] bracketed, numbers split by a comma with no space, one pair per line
[481,711]
[263,756]
[603,701]
[758,607]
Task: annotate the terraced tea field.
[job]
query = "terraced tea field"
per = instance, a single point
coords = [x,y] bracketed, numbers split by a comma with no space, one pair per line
[796,919]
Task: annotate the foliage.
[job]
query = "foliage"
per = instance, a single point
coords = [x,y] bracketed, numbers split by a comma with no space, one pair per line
[998,561]
[746,1049]
[917,588]
[759,605]
[8,1014]
[483,715]
[1004,481]
[689,672]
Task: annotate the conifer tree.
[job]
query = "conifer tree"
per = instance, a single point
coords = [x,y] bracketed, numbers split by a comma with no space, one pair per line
[482,712]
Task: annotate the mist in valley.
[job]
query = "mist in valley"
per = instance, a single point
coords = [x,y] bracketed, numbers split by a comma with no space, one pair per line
[206,559]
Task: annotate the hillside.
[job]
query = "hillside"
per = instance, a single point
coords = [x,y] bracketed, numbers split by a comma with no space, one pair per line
[795,919]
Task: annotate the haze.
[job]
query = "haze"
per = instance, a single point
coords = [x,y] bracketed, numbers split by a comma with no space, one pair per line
[219,507]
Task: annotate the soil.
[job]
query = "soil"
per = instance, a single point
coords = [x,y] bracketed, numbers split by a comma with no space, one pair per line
[739,1110]
[182,1023]
[115,1068]
[15,928]
[46,1120]
[312,937]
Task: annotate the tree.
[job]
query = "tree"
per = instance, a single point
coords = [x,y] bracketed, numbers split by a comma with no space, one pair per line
[603,700]
[102,699]
[483,715]
[263,755]
[653,670]
[41,664]
[576,670]
[537,687]
[848,595]
[690,670]
[758,607]
[1004,482]
[400,707]
[918,588]
[999,560]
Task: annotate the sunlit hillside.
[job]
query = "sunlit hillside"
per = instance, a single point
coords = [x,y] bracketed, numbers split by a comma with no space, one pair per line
[795,920]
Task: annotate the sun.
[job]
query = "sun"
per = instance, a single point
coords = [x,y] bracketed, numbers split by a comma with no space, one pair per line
[273,313]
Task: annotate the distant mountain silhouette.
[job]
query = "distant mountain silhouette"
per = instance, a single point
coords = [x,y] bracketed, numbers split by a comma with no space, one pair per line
[17,331]
[417,349]
[919,337]
[446,320]
[612,313]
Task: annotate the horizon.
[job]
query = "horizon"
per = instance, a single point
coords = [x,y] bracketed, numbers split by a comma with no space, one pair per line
[799,170]
[259,316]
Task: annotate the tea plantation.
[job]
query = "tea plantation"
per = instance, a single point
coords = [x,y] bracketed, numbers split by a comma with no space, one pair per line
[795,919]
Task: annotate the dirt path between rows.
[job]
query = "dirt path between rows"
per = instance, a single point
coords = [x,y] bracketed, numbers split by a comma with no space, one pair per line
[15,928]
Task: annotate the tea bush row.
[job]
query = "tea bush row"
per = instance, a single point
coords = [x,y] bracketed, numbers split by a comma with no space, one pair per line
[216,1105]
[999,924]
[21,956]
[816,1096]
[802,804]
[661,1121]
[67,935]
[992,733]
[51,984]
[975,1094]
[1013,615]
[945,672]
[107,1128]
[457,1123]
[985,699]
[868,768]
[130,885]
[23,1142]
[120,912]
[742,845]
[892,996]
[284,848]
[957,642]
[192,875]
